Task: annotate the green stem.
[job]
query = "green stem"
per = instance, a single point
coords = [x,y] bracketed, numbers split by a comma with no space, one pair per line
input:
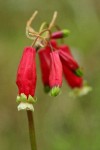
[31,130]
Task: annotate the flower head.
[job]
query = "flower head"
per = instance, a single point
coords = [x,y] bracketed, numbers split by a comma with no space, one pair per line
[54,61]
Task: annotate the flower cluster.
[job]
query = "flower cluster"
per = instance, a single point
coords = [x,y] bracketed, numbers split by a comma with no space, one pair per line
[55,60]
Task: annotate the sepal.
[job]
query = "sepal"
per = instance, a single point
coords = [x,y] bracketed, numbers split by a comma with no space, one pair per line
[23,98]
[32,99]
[25,103]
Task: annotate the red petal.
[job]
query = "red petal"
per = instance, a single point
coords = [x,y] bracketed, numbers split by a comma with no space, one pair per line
[66,49]
[44,57]
[68,60]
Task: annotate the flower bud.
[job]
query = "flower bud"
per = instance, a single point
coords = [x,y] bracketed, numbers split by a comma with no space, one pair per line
[55,77]
[60,34]
[26,77]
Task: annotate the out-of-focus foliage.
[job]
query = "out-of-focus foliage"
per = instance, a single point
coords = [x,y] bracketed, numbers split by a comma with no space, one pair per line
[61,123]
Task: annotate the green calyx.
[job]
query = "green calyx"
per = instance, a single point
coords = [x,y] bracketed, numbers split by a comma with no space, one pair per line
[46,89]
[79,72]
[65,32]
[55,91]
[23,98]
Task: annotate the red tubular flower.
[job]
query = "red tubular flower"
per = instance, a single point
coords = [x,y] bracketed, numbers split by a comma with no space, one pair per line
[68,59]
[73,80]
[44,57]
[26,76]
[55,77]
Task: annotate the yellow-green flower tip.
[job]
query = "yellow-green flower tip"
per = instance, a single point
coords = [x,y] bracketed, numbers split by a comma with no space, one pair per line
[65,32]
[79,72]
[55,91]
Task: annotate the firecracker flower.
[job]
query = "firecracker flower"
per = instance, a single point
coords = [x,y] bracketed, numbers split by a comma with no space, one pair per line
[26,79]
[54,59]
[44,58]
[55,77]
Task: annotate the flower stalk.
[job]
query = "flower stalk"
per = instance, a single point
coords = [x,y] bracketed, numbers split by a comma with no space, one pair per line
[31,130]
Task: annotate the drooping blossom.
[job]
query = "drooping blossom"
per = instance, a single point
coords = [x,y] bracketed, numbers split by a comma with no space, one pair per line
[44,58]
[26,76]
[55,77]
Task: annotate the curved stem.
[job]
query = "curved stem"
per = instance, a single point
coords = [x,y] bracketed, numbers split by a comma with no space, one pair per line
[31,130]
[53,20]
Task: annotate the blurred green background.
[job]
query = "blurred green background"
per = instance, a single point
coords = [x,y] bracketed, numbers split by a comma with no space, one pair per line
[62,123]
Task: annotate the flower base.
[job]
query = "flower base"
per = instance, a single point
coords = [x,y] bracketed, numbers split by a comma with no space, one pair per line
[25,106]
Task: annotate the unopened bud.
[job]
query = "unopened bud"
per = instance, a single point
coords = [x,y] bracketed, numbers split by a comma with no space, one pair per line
[60,34]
